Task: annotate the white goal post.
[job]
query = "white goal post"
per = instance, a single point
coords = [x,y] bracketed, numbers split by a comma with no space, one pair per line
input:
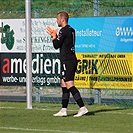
[28,53]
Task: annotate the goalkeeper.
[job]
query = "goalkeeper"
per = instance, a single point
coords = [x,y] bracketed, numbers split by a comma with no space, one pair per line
[65,41]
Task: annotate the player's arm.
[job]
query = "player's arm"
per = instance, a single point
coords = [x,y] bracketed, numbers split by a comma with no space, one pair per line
[59,40]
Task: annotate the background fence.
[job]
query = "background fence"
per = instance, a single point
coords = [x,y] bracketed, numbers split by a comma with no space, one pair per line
[76,8]
[12,9]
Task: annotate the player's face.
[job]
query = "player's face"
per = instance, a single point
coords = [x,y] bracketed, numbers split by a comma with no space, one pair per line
[59,20]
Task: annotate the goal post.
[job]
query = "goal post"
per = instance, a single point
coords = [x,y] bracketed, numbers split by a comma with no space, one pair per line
[28,53]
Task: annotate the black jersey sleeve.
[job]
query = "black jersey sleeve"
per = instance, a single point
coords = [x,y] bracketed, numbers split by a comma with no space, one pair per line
[57,43]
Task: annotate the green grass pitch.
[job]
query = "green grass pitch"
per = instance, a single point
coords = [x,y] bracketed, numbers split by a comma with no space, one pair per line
[15,118]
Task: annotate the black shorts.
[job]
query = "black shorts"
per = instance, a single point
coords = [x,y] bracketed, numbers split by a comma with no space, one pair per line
[69,68]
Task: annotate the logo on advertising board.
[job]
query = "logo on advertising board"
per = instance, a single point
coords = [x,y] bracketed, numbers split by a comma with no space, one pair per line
[104,70]
[124,34]
[103,34]
[14,37]
[7,37]
[45,69]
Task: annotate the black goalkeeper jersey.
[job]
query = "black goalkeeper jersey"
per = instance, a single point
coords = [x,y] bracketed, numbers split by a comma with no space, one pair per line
[65,41]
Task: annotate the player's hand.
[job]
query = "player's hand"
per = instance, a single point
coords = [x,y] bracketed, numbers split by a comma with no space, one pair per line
[51,32]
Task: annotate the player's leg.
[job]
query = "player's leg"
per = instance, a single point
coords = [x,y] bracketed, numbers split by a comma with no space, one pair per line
[65,100]
[69,81]
[65,97]
[76,95]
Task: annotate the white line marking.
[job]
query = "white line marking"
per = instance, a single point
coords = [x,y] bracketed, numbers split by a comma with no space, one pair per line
[117,113]
[7,107]
[39,130]
[130,113]
[109,112]
[37,108]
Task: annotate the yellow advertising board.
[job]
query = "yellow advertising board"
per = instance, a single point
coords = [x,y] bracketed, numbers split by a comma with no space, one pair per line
[104,70]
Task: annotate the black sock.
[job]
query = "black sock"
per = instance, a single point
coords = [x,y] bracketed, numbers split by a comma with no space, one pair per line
[76,96]
[65,97]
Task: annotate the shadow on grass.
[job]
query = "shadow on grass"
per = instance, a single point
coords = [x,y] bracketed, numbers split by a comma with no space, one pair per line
[100,111]
[103,110]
